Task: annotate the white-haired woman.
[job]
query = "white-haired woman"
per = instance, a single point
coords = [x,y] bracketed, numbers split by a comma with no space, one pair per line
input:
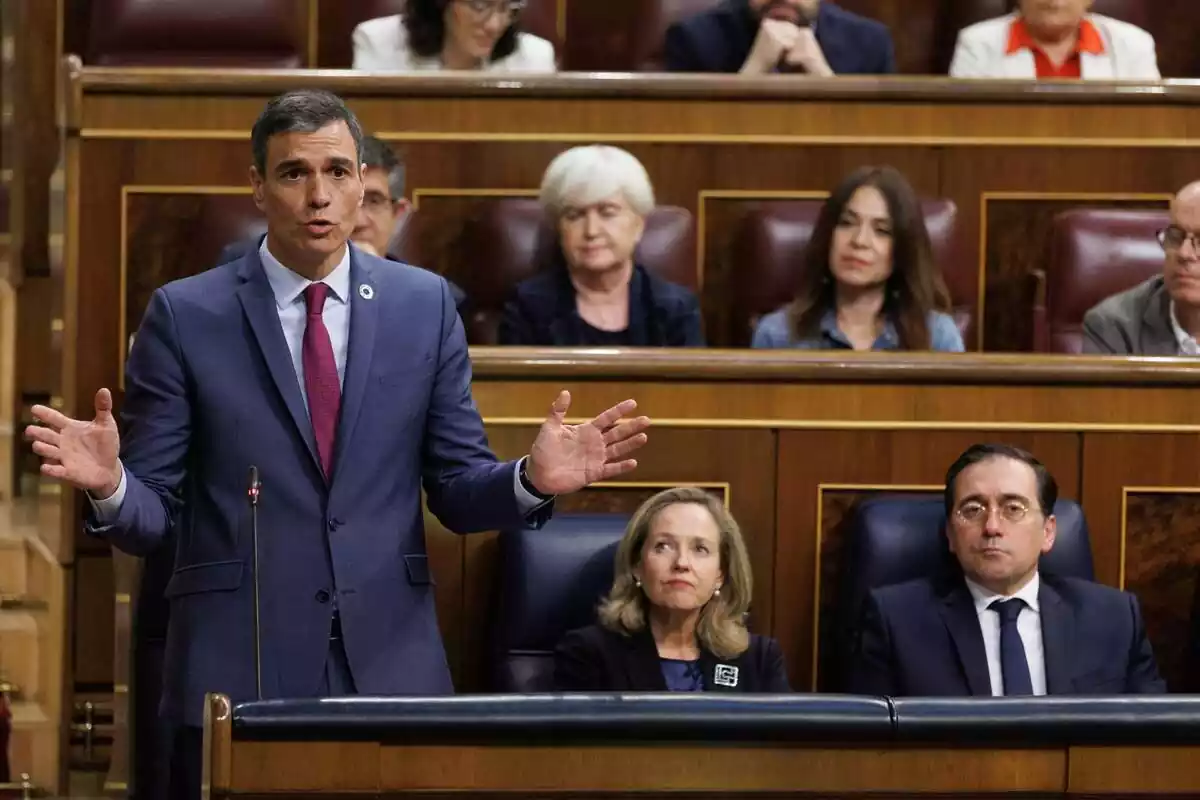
[674,619]
[595,293]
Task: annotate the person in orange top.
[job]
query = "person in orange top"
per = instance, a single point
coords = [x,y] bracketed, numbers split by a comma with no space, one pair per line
[1058,39]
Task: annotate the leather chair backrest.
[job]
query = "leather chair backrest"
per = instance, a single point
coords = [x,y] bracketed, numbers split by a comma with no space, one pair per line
[1096,253]
[339,18]
[507,240]
[768,246]
[244,33]
[897,538]
[623,35]
[551,582]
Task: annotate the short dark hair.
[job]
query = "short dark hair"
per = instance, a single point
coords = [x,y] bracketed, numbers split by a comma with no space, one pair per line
[1046,485]
[425,23]
[377,155]
[301,111]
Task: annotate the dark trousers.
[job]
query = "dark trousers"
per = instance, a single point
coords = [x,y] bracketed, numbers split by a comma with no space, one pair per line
[187,753]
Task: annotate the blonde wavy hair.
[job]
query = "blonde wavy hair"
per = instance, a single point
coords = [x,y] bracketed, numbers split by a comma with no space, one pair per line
[722,627]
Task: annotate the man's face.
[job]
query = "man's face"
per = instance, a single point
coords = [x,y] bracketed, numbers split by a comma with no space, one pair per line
[310,194]
[1181,269]
[797,12]
[997,529]
[380,212]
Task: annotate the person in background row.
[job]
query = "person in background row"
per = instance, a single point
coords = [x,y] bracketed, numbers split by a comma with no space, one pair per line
[868,281]
[452,35]
[596,293]
[997,626]
[675,616]
[1161,316]
[759,37]
[1055,39]
[384,210]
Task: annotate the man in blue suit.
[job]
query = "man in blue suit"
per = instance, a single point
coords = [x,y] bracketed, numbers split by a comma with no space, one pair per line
[759,37]
[1000,628]
[345,380]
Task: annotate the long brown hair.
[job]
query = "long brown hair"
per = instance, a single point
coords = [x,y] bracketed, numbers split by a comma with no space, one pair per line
[722,626]
[915,287]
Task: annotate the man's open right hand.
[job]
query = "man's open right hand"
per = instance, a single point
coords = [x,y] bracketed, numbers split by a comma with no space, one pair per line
[85,454]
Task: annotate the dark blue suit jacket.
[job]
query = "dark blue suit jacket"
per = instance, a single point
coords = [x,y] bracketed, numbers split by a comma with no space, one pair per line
[721,39]
[923,638]
[542,311]
[210,390]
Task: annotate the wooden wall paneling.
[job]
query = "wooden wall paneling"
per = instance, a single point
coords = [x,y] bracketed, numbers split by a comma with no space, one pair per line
[1018,189]
[882,460]
[743,459]
[1140,493]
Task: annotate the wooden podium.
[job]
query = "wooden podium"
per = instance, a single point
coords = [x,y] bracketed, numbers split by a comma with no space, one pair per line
[800,745]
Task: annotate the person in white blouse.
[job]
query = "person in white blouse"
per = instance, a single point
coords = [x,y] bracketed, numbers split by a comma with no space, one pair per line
[431,35]
[1057,39]
[997,625]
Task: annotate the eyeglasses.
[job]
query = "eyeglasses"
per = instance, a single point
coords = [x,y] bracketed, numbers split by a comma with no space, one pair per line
[485,9]
[1174,237]
[975,512]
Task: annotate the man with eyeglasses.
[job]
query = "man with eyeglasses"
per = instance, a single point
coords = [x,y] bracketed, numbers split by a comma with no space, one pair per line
[1160,316]
[996,626]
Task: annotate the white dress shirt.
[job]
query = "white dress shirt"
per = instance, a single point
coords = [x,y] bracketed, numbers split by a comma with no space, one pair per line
[288,287]
[1029,626]
[1187,343]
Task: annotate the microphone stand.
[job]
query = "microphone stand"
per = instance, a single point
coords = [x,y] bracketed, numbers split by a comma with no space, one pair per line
[252,493]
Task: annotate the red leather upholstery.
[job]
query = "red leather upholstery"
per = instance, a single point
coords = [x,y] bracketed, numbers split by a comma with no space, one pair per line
[506,240]
[768,247]
[244,33]
[339,18]
[1095,253]
[623,35]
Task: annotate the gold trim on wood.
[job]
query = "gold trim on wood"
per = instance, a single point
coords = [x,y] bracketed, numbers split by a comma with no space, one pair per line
[818,538]
[872,425]
[739,194]
[725,487]
[312,51]
[123,340]
[1126,491]
[986,197]
[122,598]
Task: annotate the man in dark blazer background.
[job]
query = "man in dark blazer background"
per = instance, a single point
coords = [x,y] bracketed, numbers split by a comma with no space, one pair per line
[758,37]
[346,381]
[999,627]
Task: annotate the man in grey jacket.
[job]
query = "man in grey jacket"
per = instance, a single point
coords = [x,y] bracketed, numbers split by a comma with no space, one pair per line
[1161,316]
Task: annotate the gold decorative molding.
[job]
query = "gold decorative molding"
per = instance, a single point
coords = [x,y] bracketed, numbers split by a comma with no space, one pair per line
[437,191]
[872,425]
[1126,491]
[819,538]
[724,486]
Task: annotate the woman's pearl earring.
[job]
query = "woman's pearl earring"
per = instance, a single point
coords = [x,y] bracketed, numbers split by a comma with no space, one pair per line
[717,592]
[638,582]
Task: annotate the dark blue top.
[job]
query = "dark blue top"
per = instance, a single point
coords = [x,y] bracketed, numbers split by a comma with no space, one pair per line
[682,676]
[720,40]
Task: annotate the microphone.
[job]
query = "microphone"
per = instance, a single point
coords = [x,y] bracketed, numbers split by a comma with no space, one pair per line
[252,493]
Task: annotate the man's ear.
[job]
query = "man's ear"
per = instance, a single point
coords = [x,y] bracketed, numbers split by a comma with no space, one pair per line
[1049,533]
[258,185]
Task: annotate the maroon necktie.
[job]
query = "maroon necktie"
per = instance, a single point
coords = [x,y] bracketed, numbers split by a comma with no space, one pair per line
[320,375]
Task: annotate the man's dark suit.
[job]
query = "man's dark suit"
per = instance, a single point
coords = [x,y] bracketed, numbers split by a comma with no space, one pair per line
[595,659]
[210,390]
[923,638]
[720,40]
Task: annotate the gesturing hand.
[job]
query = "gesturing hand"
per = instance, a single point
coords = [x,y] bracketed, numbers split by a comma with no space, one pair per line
[84,454]
[566,458]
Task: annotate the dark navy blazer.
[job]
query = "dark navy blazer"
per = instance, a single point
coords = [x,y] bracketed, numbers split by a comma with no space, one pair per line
[542,311]
[922,638]
[720,40]
[210,390]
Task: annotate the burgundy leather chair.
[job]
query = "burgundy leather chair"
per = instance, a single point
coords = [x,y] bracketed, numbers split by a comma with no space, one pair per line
[1094,254]
[339,18]
[244,33]
[623,35]
[506,240]
[768,246]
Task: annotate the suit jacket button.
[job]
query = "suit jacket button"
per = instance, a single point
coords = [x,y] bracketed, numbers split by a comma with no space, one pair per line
[322,596]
